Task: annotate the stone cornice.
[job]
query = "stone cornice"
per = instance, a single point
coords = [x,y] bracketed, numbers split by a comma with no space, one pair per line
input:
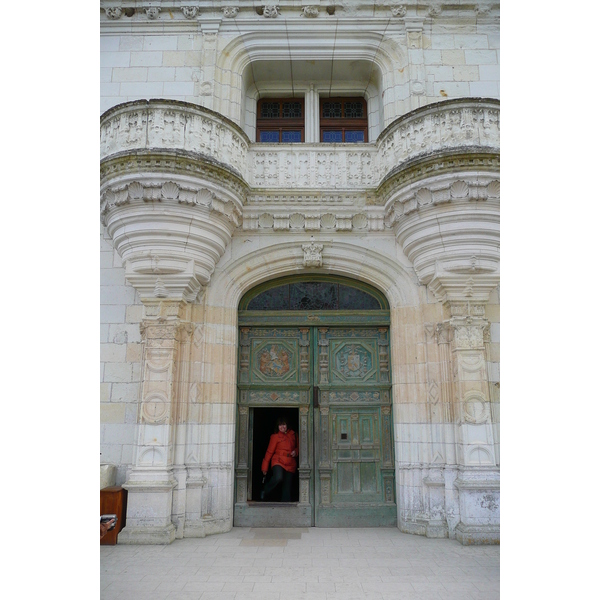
[171,162]
[131,13]
[398,184]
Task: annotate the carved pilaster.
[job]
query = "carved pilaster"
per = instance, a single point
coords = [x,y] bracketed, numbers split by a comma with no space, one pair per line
[462,339]
[166,341]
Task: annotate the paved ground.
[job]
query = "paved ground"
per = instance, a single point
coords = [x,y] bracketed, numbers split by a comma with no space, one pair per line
[311,564]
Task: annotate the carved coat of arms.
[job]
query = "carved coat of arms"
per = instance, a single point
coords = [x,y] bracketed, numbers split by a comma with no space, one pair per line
[352,362]
[274,361]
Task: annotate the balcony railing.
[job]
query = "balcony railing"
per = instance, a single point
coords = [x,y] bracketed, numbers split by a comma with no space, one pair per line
[170,125]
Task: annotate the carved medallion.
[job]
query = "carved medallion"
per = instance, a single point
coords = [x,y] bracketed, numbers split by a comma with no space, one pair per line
[274,361]
[353,361]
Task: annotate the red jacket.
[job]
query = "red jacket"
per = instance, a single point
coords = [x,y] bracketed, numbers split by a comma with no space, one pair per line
[280,447]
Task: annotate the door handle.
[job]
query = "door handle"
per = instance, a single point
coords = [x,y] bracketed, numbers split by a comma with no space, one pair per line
[315,397]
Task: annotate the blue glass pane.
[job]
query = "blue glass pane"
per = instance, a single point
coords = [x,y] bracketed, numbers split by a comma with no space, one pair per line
[269,136]
[332,136]
[291,136]
[355,136]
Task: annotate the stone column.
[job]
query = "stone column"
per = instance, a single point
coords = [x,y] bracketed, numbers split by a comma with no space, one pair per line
[165,333]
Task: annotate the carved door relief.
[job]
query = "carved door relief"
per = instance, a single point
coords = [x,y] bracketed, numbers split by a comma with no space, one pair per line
[317,353]
[355,483]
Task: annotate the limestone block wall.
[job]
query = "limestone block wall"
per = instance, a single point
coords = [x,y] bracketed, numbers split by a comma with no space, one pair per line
[120,356]
[421,52]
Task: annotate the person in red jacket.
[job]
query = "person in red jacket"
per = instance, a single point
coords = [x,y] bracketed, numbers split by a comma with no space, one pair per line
[281,455]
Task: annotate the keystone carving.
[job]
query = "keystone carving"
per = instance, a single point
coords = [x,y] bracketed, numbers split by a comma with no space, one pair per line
[313,254]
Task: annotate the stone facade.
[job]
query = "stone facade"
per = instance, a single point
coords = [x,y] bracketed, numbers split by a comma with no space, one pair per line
[195,213]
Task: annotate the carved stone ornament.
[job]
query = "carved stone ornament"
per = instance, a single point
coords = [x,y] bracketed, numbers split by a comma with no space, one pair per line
[399,10]
[435,10]
[113,12]
[311,12]
[270,11]
[153,12]
[190,12]
[230,12]
[312,254]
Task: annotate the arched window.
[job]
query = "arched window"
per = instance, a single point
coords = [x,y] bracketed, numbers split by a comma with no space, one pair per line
[315,293]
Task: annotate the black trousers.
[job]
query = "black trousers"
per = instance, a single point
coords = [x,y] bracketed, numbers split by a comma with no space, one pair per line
[280,475]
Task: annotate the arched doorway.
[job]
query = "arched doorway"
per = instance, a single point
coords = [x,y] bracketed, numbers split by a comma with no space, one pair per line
[316,350]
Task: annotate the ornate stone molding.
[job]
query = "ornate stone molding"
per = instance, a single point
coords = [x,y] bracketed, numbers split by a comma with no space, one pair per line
[302,220]
[171,12]
[170,252]
[450,231]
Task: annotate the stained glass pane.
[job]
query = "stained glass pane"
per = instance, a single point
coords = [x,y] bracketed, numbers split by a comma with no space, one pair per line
[331,137]
[292,110]
[355,136]
[274,299]
[269,136]
[353,110]
[355,299]
[269,110]
[291,136]
[313,296]
[332,110]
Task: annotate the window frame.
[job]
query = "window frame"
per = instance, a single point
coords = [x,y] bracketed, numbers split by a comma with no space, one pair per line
[280,124]
[343,123]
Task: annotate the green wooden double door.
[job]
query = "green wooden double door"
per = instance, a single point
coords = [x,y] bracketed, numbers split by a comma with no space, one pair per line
[332,384]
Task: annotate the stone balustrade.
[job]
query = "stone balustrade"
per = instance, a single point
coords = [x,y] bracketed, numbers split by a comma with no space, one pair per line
[179,126]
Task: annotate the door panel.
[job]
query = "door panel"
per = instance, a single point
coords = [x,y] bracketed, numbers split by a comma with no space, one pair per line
[355,482]
[337,378]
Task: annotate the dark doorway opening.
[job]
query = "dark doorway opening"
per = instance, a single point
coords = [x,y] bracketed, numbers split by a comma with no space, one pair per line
[264,425]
